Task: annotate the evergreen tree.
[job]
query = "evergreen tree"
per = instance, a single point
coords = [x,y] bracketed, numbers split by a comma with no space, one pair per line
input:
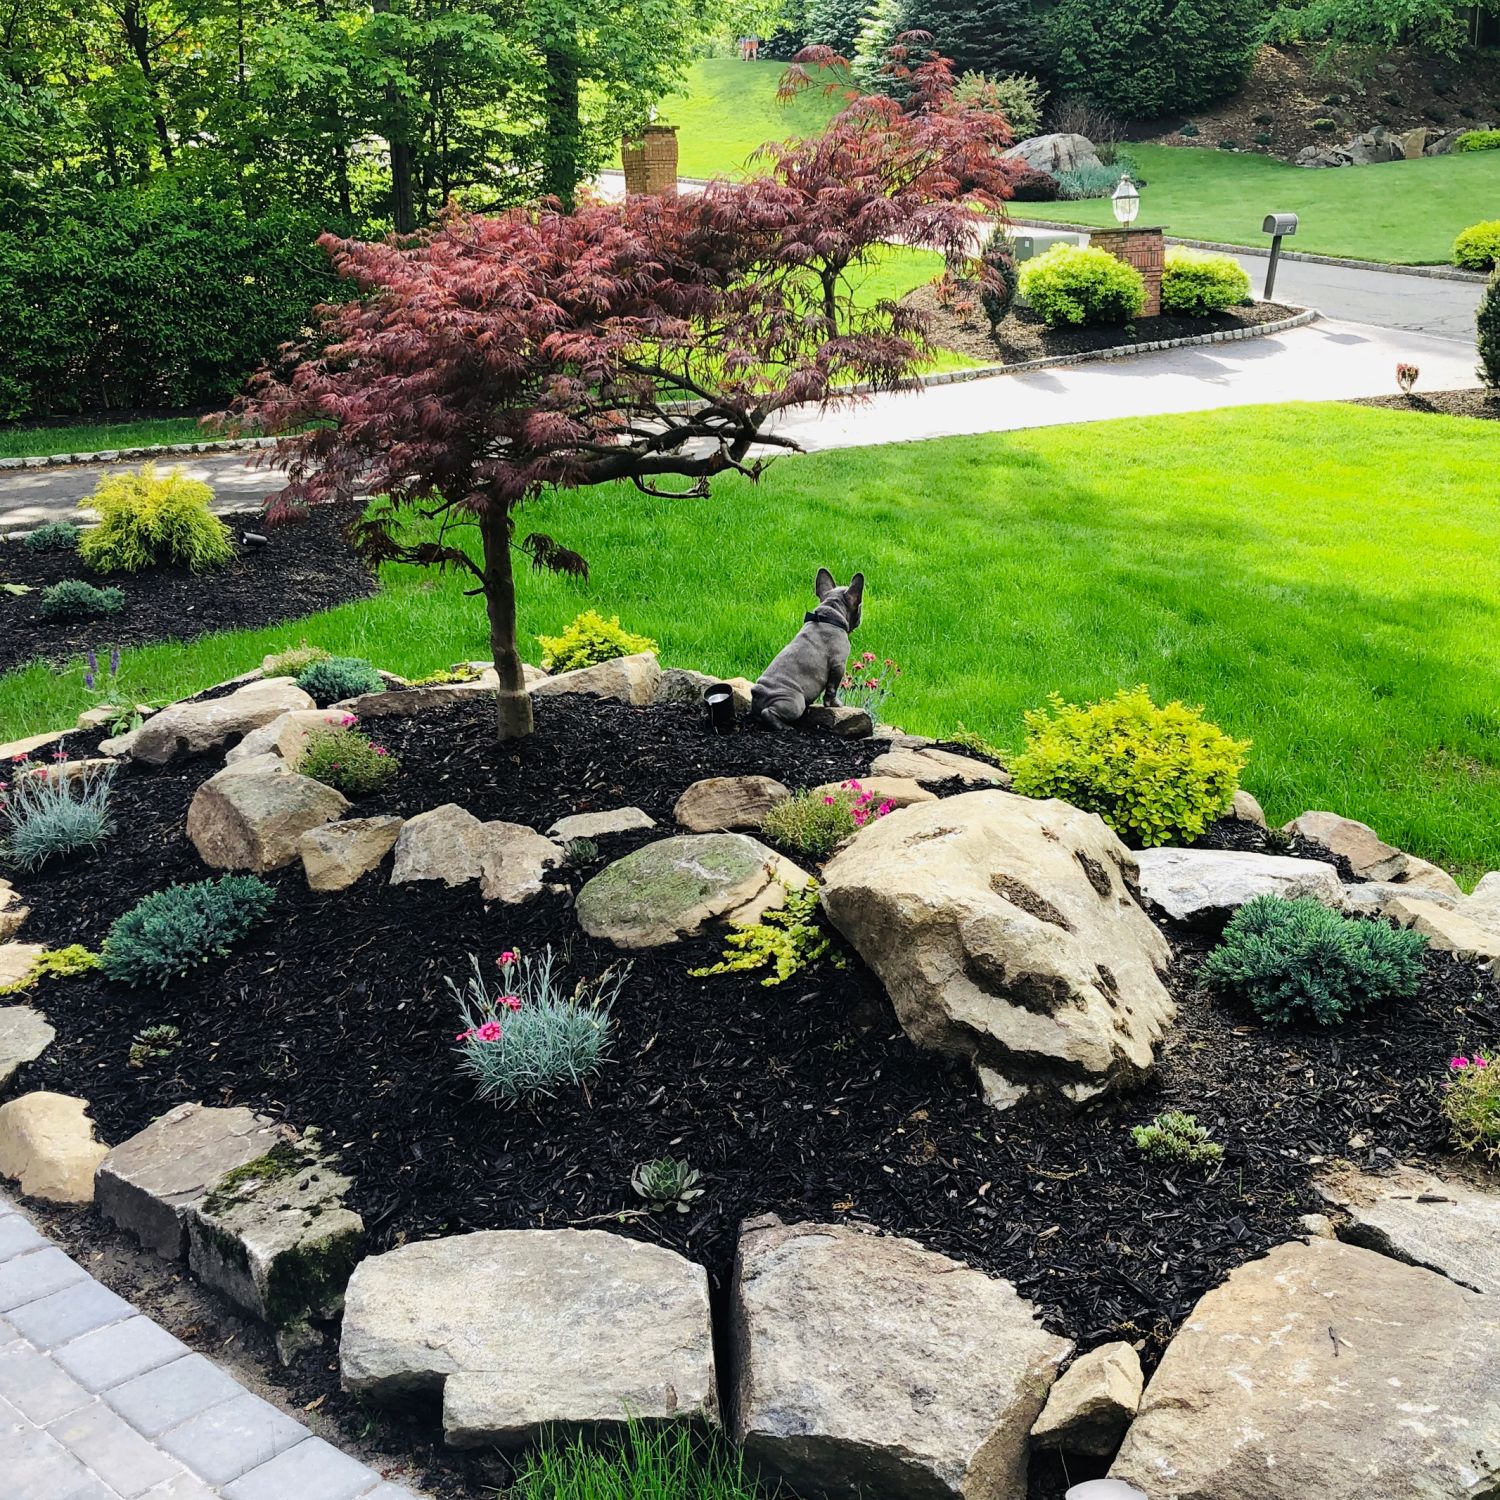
[1487,326]
[834,23]
[986,36]
[879,27]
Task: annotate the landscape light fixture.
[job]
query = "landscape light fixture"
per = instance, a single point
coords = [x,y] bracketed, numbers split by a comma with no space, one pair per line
[1276,225]
[718,699]
[1104,1489]
[1126,199]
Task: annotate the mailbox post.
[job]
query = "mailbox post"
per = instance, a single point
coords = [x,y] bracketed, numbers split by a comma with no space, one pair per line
[1276,225]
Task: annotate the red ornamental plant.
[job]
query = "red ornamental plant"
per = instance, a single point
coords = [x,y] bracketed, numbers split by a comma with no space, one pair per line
[493,358]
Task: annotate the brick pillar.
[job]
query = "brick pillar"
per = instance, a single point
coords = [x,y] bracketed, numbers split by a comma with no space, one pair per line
[1145,249]
[650,161]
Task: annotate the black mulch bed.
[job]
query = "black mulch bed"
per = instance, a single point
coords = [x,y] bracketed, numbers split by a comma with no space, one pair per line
[1023,335]
[805,1100]
[1470,403]
[305,566]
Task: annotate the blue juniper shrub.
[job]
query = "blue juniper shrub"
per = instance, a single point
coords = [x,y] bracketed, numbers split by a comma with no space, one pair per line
[73,599]
[55,536]
[172,931]
[338,677]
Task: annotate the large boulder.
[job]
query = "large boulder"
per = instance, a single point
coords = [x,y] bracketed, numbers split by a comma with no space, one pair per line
[1445,930]
[1326,1370]
[1092,1403]
[685,686]
[1446,1226]
[1369,856]
[450,844]
[1006,930]
[47,1144]
[626,679]
[196,728]
[337,854]
[522,1331]
[728,802]
[251,815]
[1059,152]
[1207,886]
[24,1036]
[866,1365]
[675,887]
[152,1182]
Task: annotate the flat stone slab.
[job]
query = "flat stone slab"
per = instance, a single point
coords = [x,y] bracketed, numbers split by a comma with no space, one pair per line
[1371,897]
[276,1238]
[1445,1226]
[598,825]
[24,1036]
[866,1365]
[1206,887]
[1324,1370]
[727,803]
[150,1183]
[929,767]
[674,888]
[210,724]
[627,679]
[899,791]
[1448,931]
[47,1144]
[522,1330]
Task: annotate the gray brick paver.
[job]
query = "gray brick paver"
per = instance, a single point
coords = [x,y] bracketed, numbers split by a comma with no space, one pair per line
[35,1386]
[311,1468]
[129,1463]
[172,1393]
[17,1235]
[37,1273]
[232,1438]
[69,1314]
[110,1356]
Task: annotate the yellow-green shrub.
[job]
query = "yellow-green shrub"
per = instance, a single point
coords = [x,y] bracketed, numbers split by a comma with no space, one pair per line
[1076,284]
[145,522]
[589,640]
[1196,282]
[1477,248]
[1156,775]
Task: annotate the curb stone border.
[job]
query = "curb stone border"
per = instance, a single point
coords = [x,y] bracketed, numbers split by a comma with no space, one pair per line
[922,382]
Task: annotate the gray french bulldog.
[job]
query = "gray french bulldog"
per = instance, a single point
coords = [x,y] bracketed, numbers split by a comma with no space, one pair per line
[817,657]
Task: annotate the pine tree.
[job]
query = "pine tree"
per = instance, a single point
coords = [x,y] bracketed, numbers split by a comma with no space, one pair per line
[1487,326]
[834,23]
[986,36]
[879,27]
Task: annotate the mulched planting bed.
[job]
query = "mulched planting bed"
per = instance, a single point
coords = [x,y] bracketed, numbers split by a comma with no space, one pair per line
[1483,404]
[305,566]
[1022,335]
[805,1100]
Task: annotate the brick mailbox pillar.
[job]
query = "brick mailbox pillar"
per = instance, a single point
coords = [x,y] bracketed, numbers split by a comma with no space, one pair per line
[1145,249]
[650,161]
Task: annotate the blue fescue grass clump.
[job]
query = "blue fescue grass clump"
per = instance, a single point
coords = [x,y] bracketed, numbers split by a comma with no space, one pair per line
[1296,959]
[172,931]
[48,814]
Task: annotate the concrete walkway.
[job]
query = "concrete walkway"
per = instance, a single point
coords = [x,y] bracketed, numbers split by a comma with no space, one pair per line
[100,1403]
[1325,361]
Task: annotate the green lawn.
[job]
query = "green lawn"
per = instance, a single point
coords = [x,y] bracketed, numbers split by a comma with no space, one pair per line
[1403,211]
[96,437]
[1325,579]
[727,108]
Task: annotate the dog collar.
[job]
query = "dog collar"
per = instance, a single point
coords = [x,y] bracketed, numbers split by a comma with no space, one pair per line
[822,615]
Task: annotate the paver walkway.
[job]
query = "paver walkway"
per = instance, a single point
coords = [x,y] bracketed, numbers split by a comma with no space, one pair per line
[98,1402]
[1326,360]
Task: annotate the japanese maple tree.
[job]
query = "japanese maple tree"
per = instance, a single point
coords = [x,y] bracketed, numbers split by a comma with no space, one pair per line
[491,359]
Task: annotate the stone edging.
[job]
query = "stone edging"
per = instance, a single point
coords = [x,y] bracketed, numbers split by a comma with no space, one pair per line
[1433,273]
[121,455]
[940,377]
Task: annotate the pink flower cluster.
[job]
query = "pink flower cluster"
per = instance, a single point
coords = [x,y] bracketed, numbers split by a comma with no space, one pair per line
[490,1030]
[865,674]
[859,803]
[1459,1063]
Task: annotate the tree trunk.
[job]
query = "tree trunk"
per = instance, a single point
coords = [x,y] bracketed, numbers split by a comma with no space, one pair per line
[513,719]
[403,213]
[563,150]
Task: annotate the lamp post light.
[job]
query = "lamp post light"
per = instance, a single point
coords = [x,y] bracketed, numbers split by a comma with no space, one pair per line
[1126,201]
[718,700]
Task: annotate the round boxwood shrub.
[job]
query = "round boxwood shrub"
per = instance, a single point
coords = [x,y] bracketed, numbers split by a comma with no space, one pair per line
[1074,285]
[73,599]
[1155,775]
[1196,282]
[1296,959]
[171,931]
[147,522]
[339,677]
[1477,248]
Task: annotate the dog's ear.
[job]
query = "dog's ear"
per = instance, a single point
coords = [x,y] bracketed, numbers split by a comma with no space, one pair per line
[823,584]
[857,587]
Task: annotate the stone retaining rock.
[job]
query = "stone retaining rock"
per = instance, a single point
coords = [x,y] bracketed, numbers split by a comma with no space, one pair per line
[1447,931]
[681,685]
[1092,1403]
[150,1183]
[16,960]
[598,825]
[844,720]
[1412,1216]
[1428,880]
[866,1365]
[626,679]
[12,912]
[525,1330]
[1368,854]
[445,843]
[47,1144]
[275,1238]
[251,815]
[674,888]
[1207,886]
[1245,809]
[434,697]
[199,727]
[899,791]
[513,860]
[1005,929]
[1324,1370]
[337,854]
[295,728]
[728,802]
[22,748]
[930,767]
[24,1036]
[1370,898]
